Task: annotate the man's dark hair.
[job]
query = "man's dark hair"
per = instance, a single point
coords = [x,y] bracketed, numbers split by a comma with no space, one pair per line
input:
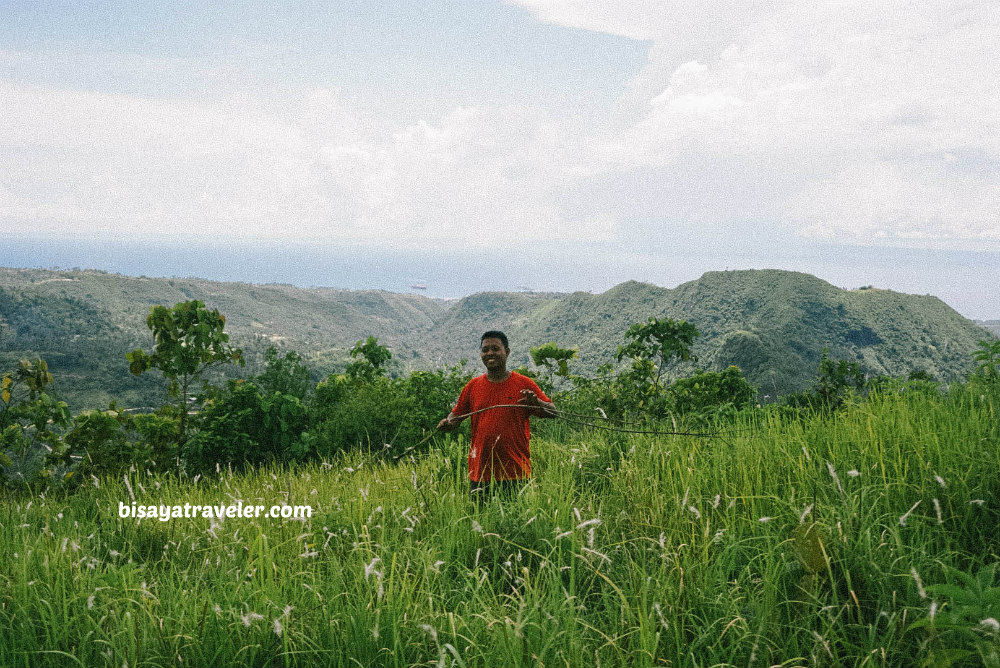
[494,334]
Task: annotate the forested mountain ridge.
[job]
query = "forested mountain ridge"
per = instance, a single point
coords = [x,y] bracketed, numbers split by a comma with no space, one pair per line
[83,323]
[773,324]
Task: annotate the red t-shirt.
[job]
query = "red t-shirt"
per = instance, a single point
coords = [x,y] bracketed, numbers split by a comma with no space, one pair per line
[499,449]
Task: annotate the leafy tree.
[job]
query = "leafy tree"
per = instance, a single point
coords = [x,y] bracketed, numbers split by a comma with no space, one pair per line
[554,358]
[287,375]
[32,377]
[31,423]
[837,379]
[373,358]
[638,389]
[189,340]
[659,341]
[653,346]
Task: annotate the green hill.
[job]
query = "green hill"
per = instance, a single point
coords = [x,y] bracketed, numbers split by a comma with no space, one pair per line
[772,324]
[83,323]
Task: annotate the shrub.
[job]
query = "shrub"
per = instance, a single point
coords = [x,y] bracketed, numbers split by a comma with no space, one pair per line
[101,440]
[707,390]
[32,421]
[287,375]
[836,380]
[243,426]
[988,358]
[156,434]
[383,414]
[351,413]
[435,393]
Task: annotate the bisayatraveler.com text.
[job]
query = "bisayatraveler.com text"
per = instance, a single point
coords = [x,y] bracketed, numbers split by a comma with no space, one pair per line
[165,513]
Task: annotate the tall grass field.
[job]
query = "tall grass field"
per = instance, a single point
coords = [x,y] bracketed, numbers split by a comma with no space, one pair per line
[864,537]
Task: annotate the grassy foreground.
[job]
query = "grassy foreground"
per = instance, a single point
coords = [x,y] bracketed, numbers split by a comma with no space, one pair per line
[791,542]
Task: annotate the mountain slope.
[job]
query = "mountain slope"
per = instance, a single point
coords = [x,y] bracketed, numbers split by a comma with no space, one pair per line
[83,323]
[772,324]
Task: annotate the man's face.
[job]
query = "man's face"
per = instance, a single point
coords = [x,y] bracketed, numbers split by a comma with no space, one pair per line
[494,354]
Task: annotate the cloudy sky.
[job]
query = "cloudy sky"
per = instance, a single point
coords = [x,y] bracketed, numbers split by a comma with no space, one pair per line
[855,140]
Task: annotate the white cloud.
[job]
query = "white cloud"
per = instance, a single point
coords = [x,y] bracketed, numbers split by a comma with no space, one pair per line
[847,120]
[875,123]
[127,164]
[308,169]
[476,177]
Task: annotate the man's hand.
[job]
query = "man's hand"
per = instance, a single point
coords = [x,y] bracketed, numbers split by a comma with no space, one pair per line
[536,406]
[448,424]
[529,398]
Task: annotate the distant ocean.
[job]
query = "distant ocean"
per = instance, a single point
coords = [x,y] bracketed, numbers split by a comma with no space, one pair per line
[965,280]
[442,274]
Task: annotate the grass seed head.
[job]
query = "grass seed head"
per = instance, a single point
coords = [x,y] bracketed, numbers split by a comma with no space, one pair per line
[990,625]
[920,583]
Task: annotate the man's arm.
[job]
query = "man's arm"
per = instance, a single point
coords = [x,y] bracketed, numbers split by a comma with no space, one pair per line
[463,405]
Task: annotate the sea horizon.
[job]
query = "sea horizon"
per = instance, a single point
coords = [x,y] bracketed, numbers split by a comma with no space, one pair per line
[563,268]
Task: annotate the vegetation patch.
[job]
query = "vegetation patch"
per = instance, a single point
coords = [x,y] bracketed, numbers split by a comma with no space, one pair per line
[673,518]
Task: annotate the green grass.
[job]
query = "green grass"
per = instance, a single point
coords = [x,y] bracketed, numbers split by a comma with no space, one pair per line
[637,551]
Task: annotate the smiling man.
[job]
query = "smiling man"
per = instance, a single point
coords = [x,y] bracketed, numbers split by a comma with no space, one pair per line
[499,453]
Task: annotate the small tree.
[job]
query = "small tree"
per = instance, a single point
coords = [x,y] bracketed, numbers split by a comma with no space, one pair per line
[287,375]
[32,421]
[189,340]
[372,359]
[553,358]
[659,341]
[836,380]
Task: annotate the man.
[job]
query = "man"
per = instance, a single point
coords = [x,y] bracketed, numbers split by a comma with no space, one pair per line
[499,454]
